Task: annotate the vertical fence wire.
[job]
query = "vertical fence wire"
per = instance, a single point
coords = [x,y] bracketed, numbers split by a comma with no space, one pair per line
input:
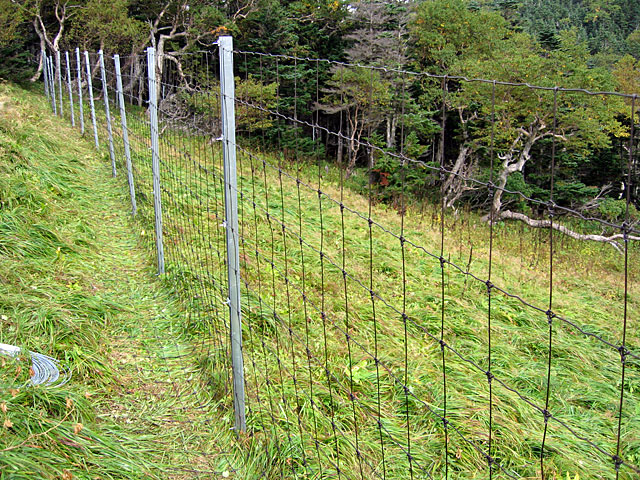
[347,332]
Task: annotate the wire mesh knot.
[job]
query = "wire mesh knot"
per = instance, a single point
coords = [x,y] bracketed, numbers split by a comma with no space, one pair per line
[551,208]
[341,207]
[489,375]
[319,193]
[622,350]
[442,261]
[617,462]
[547,415]
[445,423]
[550,316]
[489,286]
[442,344]
[402,240]
[626,229]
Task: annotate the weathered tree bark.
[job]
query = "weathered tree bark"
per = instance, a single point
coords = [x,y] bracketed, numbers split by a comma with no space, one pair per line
[515,162]
[43,46]
[392,126]
[611,239]
[62,15]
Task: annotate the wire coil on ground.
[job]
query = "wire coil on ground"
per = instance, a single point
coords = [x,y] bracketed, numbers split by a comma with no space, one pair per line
[45,370]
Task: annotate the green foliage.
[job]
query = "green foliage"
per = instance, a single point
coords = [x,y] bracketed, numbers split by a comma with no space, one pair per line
[616,210]
[443,32]
[603,24]
[10,22]
[106,24]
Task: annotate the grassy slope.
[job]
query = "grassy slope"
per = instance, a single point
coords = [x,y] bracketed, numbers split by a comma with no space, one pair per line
[300,407]
[77,285]
[282,418]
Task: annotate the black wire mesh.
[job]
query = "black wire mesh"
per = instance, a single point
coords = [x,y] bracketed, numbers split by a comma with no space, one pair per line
[377,345]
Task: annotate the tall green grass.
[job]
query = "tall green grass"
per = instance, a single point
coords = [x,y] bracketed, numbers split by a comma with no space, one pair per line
[302,418]
[78,285]
[312,381]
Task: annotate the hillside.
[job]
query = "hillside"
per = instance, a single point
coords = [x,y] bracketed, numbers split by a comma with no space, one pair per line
[344,304]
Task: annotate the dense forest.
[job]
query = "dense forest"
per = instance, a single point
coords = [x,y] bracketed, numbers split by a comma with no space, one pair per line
[586,44]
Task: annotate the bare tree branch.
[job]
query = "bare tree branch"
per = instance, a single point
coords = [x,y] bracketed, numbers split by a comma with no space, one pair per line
[611,239]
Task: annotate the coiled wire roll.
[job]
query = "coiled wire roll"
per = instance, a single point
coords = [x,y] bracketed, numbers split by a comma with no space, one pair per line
[45,370]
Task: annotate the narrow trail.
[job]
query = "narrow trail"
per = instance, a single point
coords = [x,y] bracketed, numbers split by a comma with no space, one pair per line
[158,389]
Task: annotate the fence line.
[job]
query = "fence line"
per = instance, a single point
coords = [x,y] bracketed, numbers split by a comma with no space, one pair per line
[367,351]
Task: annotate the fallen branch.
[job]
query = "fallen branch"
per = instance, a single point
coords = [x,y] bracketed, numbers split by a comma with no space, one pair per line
[611,240]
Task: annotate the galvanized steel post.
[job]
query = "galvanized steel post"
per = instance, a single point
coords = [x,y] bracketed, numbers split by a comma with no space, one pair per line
[155,154]
[73,118]
[125,134]
[52,86]
[80,106]
[93,108]
[45,74]
[105,94]
[227,93]
[59,75]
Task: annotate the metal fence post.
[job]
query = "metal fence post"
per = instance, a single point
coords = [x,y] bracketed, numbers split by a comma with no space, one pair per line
[45,74]
[73,118]
[105,94]
[52,86]
[125,134]
[80,106]
[59,75]
[227,94]
[155,154]
[93,109]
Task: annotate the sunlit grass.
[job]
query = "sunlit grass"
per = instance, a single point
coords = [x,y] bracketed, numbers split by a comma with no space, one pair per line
[293,300]
[313,422]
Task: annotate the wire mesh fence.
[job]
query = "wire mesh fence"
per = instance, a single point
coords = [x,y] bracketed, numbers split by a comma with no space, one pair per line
[407,311]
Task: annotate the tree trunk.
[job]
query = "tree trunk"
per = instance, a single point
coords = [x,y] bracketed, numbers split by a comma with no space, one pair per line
[454,185]
[43,46]
[392,125]
[510,166]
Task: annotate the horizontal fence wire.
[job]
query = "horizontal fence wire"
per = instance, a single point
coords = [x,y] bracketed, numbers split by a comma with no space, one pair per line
[386,337]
